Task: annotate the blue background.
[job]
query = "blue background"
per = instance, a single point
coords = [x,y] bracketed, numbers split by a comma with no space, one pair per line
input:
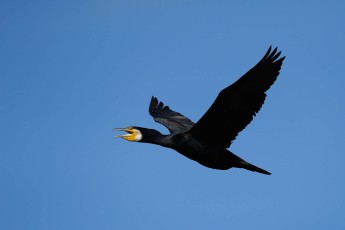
[73,70]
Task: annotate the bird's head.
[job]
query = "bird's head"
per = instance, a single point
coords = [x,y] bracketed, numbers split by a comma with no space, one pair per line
[133,133]
[139,134]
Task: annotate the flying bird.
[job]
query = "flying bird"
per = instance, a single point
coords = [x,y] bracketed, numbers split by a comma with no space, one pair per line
[207,140]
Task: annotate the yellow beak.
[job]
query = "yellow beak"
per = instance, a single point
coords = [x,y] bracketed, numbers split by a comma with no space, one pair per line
[131,136]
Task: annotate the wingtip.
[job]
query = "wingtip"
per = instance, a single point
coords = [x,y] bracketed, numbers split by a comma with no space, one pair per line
[267,53]
[272,55]
[153,98]
[153,104]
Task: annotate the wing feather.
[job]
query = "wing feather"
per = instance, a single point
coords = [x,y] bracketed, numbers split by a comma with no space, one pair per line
[173,121]
[236,105]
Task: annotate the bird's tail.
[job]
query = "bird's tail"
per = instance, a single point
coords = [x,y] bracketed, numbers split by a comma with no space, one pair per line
[248,166]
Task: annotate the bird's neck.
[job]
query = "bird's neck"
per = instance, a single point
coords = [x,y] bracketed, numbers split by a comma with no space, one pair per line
[154,137]
[157,140]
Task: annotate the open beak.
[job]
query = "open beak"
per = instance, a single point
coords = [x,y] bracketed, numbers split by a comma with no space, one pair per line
[122,129]
[130,136]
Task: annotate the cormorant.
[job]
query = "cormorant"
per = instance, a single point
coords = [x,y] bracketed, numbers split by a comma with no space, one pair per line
[207,140]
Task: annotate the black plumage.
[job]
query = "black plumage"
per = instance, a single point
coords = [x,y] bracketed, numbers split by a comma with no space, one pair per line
[207,140]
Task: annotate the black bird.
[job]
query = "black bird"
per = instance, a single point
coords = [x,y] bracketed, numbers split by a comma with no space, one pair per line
[207,140]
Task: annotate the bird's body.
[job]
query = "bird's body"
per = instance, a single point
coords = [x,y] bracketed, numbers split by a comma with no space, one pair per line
[211,156]
[207,140]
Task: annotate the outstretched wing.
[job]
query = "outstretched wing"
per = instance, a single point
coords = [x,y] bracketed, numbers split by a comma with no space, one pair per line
[236,105]
[174,121]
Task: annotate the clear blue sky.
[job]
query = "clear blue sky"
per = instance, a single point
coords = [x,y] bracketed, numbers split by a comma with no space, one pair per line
[73,70]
